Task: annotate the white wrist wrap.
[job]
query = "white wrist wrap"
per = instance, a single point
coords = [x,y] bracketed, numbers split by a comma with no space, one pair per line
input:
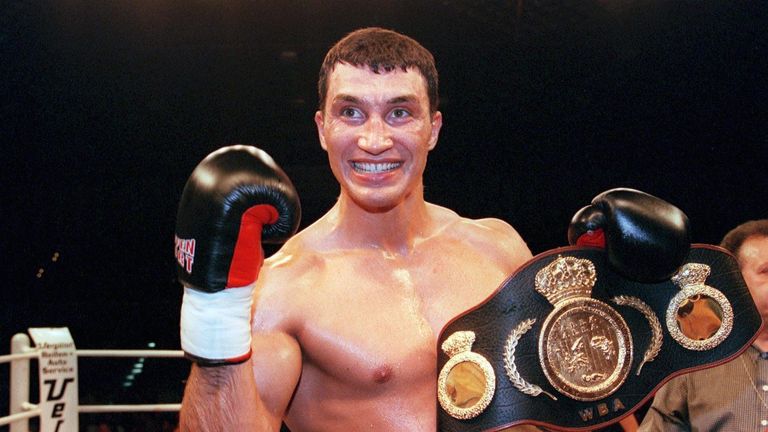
[216,326]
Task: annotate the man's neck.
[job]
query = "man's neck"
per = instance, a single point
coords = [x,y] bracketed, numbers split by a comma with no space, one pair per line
[761,343]
[394,230]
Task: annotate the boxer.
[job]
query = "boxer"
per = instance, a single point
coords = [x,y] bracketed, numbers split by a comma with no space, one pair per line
[346,314]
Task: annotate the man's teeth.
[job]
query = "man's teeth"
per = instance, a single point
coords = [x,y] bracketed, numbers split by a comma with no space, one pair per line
[368,167]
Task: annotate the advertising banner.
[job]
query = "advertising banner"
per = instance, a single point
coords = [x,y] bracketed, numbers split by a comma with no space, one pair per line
[58,379]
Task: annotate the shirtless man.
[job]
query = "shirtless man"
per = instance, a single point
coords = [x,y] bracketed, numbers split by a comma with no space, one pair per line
[346,315]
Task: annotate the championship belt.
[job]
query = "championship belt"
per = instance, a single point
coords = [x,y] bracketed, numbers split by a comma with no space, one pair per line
[566,343]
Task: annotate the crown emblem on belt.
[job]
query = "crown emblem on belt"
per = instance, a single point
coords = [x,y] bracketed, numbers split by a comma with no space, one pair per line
[566,277]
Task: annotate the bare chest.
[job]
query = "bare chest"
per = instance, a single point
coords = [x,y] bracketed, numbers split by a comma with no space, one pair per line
[372,322]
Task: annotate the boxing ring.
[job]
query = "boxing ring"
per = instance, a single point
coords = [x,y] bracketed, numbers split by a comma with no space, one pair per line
[20,359]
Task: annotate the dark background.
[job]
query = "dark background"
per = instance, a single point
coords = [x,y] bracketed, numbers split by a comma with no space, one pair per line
[107,107]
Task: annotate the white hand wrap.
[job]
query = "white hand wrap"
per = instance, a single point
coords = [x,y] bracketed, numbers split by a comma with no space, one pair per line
[217,326]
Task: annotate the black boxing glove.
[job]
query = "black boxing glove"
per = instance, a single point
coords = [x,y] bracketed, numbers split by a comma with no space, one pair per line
[645,238]
[235,198]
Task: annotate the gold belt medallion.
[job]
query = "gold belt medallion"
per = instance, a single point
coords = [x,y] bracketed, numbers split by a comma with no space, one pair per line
[585,346]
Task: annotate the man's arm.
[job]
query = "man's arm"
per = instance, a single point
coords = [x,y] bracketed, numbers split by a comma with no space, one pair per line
[223,398]
[234,198]
[277,363]
[227,398]
[512,249]
[669,410]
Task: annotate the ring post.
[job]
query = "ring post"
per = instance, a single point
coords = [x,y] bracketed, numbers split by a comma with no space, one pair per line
[20,344]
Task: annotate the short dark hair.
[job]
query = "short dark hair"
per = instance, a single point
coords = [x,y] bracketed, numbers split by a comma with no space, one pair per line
[736,237]
[381,50]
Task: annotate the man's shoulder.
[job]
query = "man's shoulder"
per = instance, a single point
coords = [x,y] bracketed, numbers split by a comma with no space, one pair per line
[495,234]
[454,222]
[285,285]
[490,227]
[491,236]
[293,259]
[494,231]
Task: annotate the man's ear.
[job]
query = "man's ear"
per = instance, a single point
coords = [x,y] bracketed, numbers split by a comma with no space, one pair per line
[437,123]
[320,123]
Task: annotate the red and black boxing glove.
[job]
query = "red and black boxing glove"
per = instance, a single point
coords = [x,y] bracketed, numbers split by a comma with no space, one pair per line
[235,199]
[645,238]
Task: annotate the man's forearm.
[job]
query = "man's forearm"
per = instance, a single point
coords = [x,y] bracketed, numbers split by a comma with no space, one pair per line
[223,399]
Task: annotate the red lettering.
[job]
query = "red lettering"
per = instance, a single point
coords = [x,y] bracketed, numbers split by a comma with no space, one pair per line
[184,251]
[189,247]
[190,260]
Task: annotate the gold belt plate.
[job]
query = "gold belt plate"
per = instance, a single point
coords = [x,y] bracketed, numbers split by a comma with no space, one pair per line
[585,349]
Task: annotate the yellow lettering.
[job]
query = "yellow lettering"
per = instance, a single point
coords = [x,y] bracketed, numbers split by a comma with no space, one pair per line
[617,405]
[586,414]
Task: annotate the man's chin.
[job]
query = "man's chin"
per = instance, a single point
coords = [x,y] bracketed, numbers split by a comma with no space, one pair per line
[379,201]
[377,207]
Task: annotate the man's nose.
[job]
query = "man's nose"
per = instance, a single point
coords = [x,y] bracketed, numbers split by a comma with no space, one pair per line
[375,136]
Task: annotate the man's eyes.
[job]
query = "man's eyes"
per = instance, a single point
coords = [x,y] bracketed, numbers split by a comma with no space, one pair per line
[350,112]
[355,113]
[400,113]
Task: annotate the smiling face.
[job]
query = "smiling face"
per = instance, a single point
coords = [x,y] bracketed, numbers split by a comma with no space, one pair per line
[377,130]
